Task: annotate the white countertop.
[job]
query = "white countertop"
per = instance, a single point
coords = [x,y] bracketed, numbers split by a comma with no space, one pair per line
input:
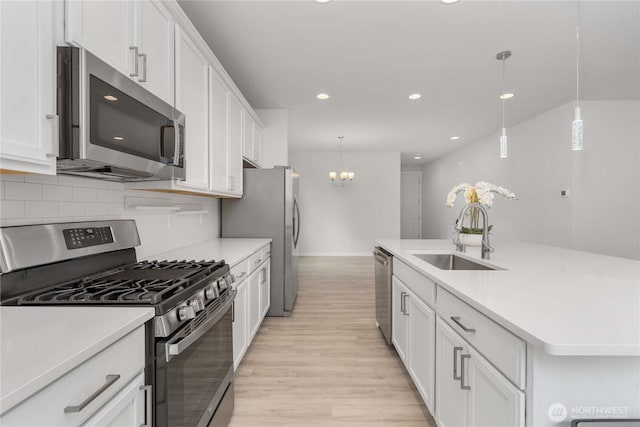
[40,344]
[566,302]
[231,250]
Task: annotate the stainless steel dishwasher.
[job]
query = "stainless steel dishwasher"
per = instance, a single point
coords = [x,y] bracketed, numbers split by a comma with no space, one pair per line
[384,270]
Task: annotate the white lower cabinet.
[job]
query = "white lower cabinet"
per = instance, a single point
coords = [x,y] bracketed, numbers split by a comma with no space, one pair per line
[127,408]
[252,299]
[469,390]
[421,351]
[413,334]
[254,303]
[107,389]
[240,335]
[399,320]
[265,288]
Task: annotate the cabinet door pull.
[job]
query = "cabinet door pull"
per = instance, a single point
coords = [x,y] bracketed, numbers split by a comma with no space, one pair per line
[462,359]
[402,294]
[144,68]
[263,273]
[258,261]
[406,312]
[135,61]
[110,380]
[457,321]
[455,363]
[241,275]
[233,312]
[55,141]
[147,405]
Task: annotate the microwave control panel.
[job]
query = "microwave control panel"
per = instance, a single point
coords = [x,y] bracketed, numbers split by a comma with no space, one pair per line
[77,238]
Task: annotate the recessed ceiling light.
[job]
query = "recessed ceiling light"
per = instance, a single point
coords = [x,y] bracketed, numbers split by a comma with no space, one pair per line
[417,157]
[415,96]
[449,1]
[110,98]
[506,95]
[323,96]
[454,138]
[118,138]
[322,1]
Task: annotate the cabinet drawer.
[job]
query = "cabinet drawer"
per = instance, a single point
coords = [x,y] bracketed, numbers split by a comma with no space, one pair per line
[240,271]
[47,407]
[265,252]
[423,287]
[504,350]
[255,260]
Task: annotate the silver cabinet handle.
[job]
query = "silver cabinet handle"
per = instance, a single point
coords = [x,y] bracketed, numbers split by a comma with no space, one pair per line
[258,261]
[110,380]
[239,276]
[56,135]
[462,359]
[406,312]
[232,183]
[263,273]
[457,321]
[402,294]
[148,408]
[380,260]
[455,363]
[144,68]
[135,61]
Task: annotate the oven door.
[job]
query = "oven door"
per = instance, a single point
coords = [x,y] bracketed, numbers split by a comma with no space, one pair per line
[194,368]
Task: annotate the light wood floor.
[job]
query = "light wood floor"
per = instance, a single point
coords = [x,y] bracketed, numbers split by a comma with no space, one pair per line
[327,364]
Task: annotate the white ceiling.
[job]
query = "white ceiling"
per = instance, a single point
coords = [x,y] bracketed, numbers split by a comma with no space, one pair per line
[370,55]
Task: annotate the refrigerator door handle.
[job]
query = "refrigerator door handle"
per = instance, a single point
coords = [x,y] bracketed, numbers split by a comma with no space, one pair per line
[296,223]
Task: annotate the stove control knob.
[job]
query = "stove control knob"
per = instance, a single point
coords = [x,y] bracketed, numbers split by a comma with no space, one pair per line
[197,305]
[210,293]
[186,312]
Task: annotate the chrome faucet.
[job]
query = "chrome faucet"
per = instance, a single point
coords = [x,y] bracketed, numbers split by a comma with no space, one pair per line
[486,247]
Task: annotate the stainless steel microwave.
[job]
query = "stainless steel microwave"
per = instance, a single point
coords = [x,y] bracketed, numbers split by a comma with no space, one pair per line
[111,127]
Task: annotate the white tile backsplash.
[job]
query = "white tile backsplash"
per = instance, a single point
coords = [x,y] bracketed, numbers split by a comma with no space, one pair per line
[40,209]
[22,191]
[83,194]
[11,209]
[36,199]
[57,192]
[70,209]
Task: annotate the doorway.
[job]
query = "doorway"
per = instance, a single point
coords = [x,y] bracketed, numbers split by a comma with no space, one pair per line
[411,205]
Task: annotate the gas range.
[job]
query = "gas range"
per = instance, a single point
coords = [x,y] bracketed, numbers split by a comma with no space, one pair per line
[178,290]
[94,263]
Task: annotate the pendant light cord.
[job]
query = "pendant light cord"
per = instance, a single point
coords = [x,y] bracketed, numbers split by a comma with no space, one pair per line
[504,87]
[577,51]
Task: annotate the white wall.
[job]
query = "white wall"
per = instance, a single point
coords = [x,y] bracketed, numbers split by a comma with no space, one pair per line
[346,220]
[275,137]
[602,213]
[37,199]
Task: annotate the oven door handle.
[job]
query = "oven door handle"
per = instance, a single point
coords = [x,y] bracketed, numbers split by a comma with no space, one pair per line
[184,343]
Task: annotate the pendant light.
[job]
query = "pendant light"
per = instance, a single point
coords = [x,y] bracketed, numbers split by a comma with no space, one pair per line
[576,124]
[503,56]
[343,176]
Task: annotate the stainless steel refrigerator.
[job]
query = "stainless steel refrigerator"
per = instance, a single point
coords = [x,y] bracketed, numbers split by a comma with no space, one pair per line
[269,208]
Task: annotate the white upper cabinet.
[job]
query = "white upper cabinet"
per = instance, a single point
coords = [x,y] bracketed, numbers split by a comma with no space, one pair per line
[235,145]
[136,38]
[251,140]
[105,28]
[192,99]
[28,121]
[219,125]
[153,34]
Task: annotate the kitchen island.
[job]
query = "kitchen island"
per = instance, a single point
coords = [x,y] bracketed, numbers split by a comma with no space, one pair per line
[561,327]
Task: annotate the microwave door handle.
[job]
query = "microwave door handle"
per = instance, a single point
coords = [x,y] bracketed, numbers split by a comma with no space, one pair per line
[177,156]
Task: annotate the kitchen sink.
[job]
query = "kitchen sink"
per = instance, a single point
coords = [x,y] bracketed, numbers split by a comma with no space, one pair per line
[452,262]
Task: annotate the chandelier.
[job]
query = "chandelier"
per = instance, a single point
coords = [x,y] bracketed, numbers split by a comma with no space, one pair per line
[338,180]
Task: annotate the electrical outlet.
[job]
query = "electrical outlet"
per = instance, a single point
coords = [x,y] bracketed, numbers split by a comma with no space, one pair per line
[565,193]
